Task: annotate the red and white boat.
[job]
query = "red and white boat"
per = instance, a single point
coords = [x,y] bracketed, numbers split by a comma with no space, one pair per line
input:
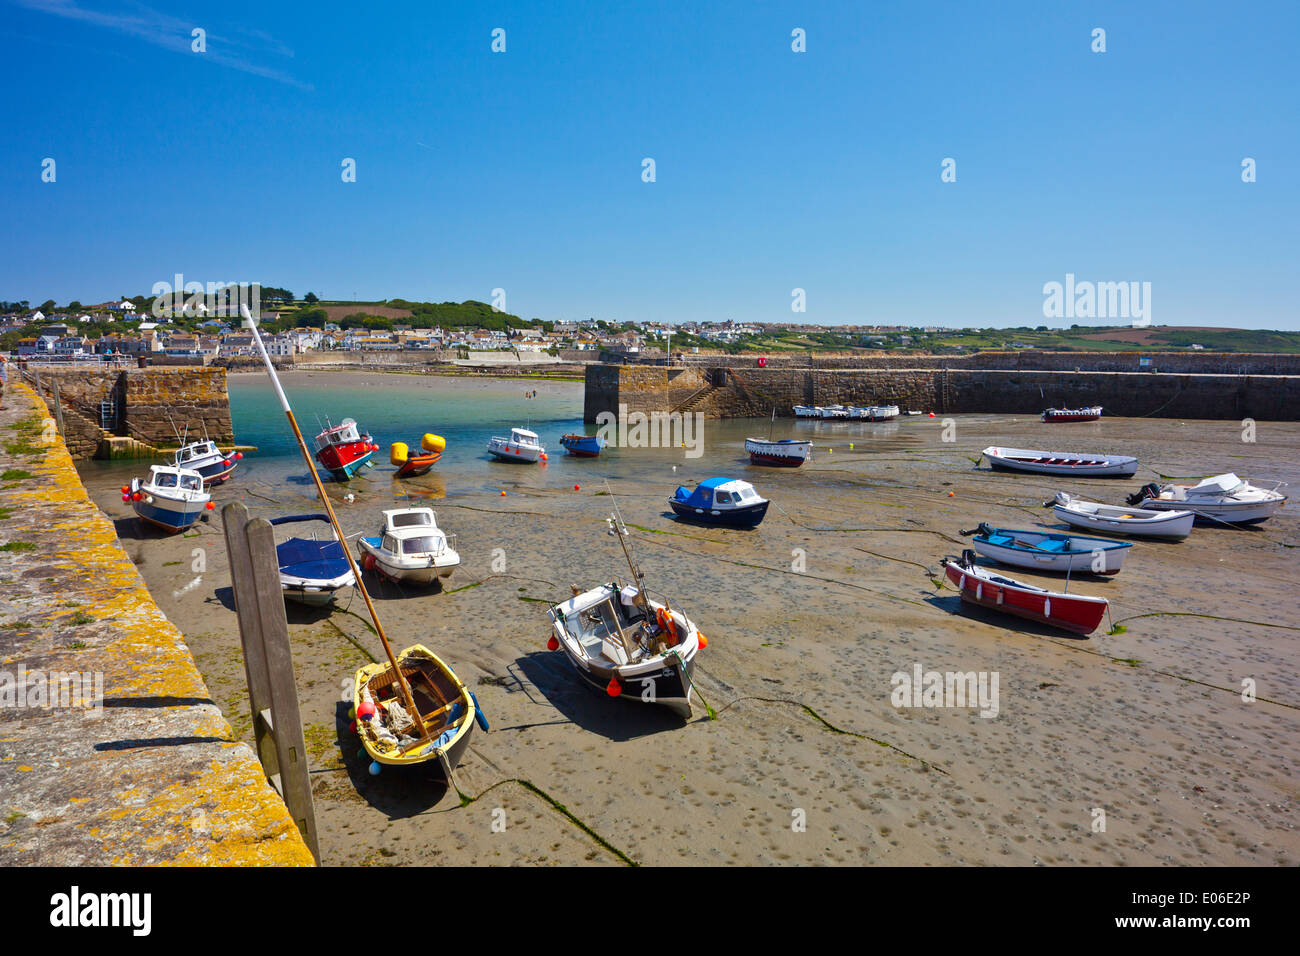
[341,449]
[783,453]
[982,586]
[1089,414]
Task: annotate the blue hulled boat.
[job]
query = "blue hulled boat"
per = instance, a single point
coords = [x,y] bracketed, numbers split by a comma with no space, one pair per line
[720,501]
[583,446]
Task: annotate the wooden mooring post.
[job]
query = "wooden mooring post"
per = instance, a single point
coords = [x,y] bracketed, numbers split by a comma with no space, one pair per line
[268,664]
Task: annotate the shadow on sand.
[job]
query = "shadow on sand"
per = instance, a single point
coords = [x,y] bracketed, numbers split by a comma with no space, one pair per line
[1008,622]
[552,674]
[397,792]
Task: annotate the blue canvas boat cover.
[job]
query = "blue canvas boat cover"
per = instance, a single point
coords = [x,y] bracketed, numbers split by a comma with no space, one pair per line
[702,496]
[311,559]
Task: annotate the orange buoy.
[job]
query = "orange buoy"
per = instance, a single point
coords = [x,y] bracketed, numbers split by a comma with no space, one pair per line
[704,641]
[553,644]
[210,506]
[613,688]
[952,494]
[503,494]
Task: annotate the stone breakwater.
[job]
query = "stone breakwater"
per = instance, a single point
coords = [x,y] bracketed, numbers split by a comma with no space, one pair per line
[137,766]
[735,392]
[146,405]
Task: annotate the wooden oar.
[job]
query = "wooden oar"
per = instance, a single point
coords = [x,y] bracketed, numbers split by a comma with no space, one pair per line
[334,522]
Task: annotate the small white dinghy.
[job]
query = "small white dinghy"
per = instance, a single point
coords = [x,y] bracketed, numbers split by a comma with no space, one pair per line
[1061,463]
[410,548]
[1223,498]
[1137,522]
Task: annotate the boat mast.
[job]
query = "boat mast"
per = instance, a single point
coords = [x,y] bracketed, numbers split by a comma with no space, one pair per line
[334,521]
[618,528]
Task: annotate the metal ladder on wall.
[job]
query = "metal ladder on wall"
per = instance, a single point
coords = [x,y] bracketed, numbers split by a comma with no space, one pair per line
[108,414]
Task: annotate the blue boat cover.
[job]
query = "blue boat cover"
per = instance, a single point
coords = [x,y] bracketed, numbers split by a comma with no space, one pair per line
[702,496]
[311,559]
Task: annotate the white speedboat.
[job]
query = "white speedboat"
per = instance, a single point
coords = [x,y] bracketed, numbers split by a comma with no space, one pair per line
[1061,463]
[522,445]
[1137,522]
[170,498]
[1223,498]
[410,548]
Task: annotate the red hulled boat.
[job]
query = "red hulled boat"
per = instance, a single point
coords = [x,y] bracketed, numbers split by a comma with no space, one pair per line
[982,586]
[341,449]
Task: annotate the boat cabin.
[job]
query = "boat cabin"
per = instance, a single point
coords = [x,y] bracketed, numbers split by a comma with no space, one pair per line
[161,476]
[720,493]
[412,531]
[609,626]
[522,436]
[196,452]
[343,433]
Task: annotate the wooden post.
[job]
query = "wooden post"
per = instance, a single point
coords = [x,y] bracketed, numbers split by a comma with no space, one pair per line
[268,664]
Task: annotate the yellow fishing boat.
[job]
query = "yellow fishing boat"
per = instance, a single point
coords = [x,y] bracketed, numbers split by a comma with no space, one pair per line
[447,709]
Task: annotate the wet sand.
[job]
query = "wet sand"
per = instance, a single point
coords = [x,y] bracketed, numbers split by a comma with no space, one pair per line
[1147,725]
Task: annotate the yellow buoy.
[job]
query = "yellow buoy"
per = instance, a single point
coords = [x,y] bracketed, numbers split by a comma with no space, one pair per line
[397,453]
[433,443]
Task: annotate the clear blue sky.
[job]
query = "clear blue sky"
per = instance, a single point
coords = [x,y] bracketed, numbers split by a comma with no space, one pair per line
[775,170]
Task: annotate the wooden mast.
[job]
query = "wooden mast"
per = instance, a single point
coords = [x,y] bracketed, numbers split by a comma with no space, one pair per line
[334,522]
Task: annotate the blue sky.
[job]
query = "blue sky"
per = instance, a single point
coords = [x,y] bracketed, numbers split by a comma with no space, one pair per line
[775,170]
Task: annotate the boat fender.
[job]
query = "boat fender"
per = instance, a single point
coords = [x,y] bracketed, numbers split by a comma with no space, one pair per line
[368,562]
[478,713]
[667,625]
[398,453]
[1047,607]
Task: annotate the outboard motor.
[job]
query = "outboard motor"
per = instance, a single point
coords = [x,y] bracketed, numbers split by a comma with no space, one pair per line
[967,558]
[1149,490]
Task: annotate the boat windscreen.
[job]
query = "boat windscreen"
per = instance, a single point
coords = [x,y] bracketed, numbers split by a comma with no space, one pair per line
[412,519]
[424,544]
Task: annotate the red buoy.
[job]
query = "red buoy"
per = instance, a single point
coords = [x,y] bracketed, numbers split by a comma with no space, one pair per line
[704,641]
[239,456]
[209,506]
[126,489]
[137,496]
[553,644]
[613,688]
[577,487]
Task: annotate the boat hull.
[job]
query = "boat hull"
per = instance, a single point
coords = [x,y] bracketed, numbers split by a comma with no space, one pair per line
[1069,613]
[1055,463]
[374,558]
[1241,514]
[418,465]
[582,446]
[167,514]
[1072,415]
[783,454]
[748,516]
[519,454]
[343,461]
[1078,556]
[1171,526]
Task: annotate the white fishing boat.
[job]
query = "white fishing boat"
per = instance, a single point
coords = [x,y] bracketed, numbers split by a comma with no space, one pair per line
[312,570]
[208,460]
[522,445]
[1223,498]
[170,498]
[1050,551]
[833,411]
[410,548]
[1061,463]
[807,411]
[873,413]
[780,453]
[628,644]
[1113,519]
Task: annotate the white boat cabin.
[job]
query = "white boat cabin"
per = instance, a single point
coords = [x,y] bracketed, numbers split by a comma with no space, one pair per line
[344,433]
[167,478]
[197,452]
